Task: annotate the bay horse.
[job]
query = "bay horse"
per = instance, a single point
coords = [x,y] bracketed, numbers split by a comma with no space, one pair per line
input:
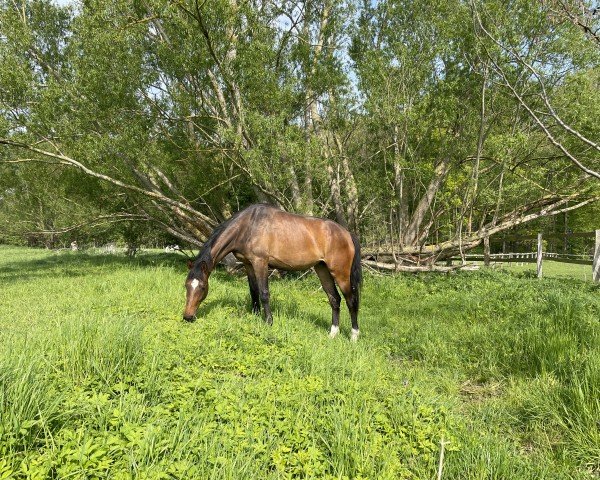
[263,236]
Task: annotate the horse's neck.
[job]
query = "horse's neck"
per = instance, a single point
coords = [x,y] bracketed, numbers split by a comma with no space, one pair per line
[221,247]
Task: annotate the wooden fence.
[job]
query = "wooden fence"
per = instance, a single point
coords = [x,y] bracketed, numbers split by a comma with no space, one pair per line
[539,256]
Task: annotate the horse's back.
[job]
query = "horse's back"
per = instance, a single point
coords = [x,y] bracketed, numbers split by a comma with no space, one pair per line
[295,242]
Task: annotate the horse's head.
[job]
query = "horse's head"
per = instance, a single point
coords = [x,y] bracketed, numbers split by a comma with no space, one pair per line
[196,286]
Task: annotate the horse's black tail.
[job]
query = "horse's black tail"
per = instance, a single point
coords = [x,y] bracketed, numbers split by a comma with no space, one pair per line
[356,273]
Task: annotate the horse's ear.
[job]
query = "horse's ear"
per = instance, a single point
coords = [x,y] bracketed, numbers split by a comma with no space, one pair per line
[190,264]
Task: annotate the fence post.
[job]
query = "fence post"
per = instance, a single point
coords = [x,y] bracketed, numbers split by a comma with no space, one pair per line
[596,264]
[486,251]
[539,256]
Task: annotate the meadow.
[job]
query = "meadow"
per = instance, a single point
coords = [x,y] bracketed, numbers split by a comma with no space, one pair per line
[100,378]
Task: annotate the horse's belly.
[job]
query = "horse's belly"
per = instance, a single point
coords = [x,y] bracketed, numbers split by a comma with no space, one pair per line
[282,263]
[296,253]
[290,265]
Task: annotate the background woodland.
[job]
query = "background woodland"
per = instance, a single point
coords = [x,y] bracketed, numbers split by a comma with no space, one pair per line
[423,126]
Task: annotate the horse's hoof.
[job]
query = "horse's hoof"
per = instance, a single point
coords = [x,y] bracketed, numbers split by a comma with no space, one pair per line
[269,322]
[354,335]
[334,331]
[190,319]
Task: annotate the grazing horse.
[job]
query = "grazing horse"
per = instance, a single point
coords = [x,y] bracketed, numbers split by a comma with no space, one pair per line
[262,236]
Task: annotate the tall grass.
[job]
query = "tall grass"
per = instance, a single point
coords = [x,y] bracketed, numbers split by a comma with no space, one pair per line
[29,401]
[97,349]
[101,378]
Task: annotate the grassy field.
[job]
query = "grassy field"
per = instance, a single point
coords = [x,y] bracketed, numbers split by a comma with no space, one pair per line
[100,377]
[551,269]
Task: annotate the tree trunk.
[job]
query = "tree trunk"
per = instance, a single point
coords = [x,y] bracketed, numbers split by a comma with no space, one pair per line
[296,197]
[413,230]
[334,185]
[480,140]
[400,192]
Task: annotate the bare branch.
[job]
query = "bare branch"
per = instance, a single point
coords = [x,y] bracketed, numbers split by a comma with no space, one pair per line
[95,222]
[206,223]
[527,107]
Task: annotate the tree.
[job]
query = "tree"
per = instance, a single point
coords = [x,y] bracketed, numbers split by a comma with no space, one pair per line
[448,131]
[583,152]
[392,118]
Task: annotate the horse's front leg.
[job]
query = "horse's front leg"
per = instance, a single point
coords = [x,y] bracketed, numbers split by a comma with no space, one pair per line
[254,291]
[261,270]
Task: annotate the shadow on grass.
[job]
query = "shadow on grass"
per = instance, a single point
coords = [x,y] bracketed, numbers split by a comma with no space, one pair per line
[281,304]
[209,306]
[79,264]
[284,309]
[291,309]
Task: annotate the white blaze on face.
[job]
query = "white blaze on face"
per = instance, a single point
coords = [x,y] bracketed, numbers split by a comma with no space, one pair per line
[194,284]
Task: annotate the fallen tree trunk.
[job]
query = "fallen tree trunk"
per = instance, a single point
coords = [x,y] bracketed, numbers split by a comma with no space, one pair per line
[396,267]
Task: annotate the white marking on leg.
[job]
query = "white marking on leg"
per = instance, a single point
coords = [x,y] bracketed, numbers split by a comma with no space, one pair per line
[335,329]
[354,335]
[195,283]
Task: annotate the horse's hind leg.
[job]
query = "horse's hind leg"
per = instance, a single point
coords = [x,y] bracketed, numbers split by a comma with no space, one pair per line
[254,293]
[261,269]
[351,298]
[333,296]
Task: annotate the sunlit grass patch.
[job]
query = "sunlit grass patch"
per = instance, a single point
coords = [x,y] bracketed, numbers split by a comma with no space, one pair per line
[101,378]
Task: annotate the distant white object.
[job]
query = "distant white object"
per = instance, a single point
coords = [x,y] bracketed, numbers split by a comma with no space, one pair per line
[110,248]
[74,245]
[172,248]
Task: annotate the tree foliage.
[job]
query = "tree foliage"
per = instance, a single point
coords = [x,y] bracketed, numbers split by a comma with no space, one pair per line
[424,126]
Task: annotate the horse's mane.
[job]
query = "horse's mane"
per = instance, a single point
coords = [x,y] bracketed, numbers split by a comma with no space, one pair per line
[204,256]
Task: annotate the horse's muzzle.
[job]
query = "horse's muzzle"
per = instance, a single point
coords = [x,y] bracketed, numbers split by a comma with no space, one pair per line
[191,318]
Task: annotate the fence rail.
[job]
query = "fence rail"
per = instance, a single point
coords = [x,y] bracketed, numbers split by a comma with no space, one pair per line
[530,257]
[552,236]
[539,256]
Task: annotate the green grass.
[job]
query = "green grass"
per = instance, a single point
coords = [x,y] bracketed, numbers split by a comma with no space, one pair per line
[100,377]
[551,269]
